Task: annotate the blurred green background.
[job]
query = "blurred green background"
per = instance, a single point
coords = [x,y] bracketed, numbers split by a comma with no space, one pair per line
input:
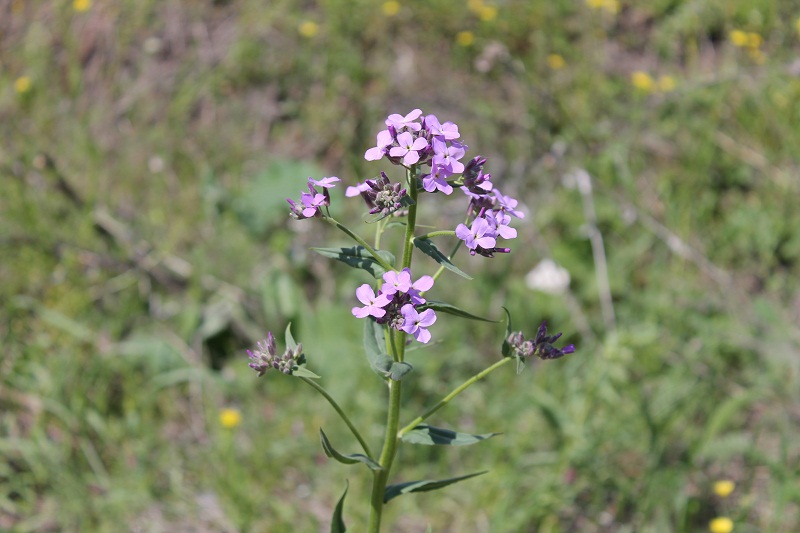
[146,148]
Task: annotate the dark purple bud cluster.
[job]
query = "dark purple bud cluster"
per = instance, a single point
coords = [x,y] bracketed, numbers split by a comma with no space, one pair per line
[541,346]
[265,357]
[383,196]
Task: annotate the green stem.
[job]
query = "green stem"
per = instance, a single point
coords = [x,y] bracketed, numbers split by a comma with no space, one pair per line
[437,233]
[344,417]
[458,390]
[380,477]
[381,261]
[408,242]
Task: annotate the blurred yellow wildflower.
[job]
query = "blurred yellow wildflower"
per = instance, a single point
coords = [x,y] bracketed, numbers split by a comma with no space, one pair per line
[81,5]
[754,40]
[308,29]
[612,6]
[487,13]
[738,38]
[724,487]
[230,418]
[22,84]
[465,38]
[391,8]
[556,62]
[642,81]
[722,524]
[475,5]
[666,83]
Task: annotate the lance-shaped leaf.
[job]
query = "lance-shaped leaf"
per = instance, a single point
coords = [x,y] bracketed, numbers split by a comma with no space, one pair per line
[358,257]
[337,523]
[392,491]
[430,435]
[303,372]
[427,247]
[351,459]
[375,348]
[452,310]
[290,342]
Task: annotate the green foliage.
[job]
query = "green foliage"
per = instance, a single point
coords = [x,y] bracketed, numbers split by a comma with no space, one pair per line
[190,123]
[393,491]
[350,459]
[429,435]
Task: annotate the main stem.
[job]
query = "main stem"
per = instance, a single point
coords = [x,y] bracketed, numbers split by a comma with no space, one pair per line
[391,438]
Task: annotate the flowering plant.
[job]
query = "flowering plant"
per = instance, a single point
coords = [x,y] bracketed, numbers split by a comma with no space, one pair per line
[395,308]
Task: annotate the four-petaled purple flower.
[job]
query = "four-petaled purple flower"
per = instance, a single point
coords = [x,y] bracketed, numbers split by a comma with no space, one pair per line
[417,323]
[384,140]
[398,122]
[508,204]
[447,131]
[437,180]
[480,234]
[312,203]
[325,183]
[448,156]
[373,305]
[409,147]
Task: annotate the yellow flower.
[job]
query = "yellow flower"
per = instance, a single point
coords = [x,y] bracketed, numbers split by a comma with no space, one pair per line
[721,525]
[465,38]
[22,84]
[230,418]
[391,8]
[487,13]
[666,83]
[754,40]
[556,62]
[738,38]
[612,6]
[642,81]
[81,5]
[724,487]
[475,5]
[308,29]
[595,4]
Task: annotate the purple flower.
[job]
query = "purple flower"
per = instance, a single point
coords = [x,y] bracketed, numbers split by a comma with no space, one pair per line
[423,284]
[325,183]
[508,204]
[448,156]
[358,189]
[499,221]
[480,234]
[417,323]
[447,131]
[312,203]
[384,139]
[396,281]
[398,122]
[409,148]
[372,304]
[436,180]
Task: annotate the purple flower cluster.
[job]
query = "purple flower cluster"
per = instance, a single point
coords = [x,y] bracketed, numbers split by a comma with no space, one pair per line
[265,357]
[396,303]
[410,140]
[311,202]
[541,346]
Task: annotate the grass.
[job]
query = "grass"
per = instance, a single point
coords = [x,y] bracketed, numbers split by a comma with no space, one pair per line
[144,246]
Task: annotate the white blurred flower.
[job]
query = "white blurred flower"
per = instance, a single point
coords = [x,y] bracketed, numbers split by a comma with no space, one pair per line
[548,277]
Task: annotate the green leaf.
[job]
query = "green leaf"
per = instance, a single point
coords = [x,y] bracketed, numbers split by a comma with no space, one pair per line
[381,362]
[506,346]
[453,310]
[392,491]
[358,257]
[346,459]
[427,247]
[303,372]
[337,523]
[290,343]
[430,435]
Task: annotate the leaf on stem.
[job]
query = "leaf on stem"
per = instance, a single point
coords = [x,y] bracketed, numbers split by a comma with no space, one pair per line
[450,309]
[381,362]
[351,459]
[430,436]
[358,257]
[290,342]
[427,247]
[303,372]
[392,491]
[337,523]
